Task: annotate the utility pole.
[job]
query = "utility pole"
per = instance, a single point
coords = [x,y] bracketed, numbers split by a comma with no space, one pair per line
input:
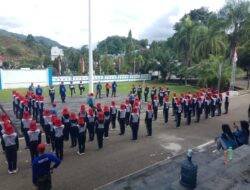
[91,87]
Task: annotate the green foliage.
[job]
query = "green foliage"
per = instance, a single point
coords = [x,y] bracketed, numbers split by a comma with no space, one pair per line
[107,65]
[14,50]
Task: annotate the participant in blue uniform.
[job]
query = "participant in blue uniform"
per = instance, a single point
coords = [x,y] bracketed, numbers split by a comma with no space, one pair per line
[41,168]
[62,90]
[39,91]
[114,86]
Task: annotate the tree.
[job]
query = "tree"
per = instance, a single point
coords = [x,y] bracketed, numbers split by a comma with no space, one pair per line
[129,55]
[30,40]
[183,37]
[234,16]
[244,60]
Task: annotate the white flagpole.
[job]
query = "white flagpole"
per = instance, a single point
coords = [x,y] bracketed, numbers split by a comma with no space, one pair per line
[91,87]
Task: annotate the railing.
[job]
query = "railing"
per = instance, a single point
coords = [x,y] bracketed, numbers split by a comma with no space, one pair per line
[101,78]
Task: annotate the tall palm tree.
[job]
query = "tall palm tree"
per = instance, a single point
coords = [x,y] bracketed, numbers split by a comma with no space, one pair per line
[234,17]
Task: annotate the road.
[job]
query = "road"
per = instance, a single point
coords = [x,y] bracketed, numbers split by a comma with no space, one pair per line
[121,156]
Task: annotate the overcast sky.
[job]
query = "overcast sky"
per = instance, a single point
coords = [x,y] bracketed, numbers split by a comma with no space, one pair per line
[66,21]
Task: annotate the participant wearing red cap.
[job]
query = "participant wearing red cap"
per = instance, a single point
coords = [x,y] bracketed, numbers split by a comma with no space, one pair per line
[226,103]
[128,111]
[90,120]
[66,122]
[153,93]
[35,138]
[166,106]
[189,111]
[11,145]
[83,113]
[81,135]
[100,129]
[122,118]
[218,104]
[178,113]
[25,124]
[148,119]
[73,129]
[155,107]
[161,94]
[58,137]
[98,107]
[134,123]
[106,121]
[46,124]
[207,107]
[113,112]
[198,107]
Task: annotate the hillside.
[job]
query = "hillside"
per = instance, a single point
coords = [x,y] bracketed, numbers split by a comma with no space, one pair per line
[19,49]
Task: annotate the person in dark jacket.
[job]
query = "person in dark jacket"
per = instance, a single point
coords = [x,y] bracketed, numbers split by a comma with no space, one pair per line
[11,146]
[62,90]
[91,120]
[166,106]
[72,88]
[149,119]
[52,94]
[25,124]
[39,91]
[226,103]
[81,135]
[99,128]
[66,123]
[106,110]
[155,107]
[58,136]
[73,129]
[134,123]
[114,89]
[226,139]
[41,168]
[146,92]
[122,119]
[242,134]
[113,113]
[81,87]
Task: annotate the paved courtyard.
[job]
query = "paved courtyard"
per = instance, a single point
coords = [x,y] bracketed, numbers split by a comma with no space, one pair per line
[121,156]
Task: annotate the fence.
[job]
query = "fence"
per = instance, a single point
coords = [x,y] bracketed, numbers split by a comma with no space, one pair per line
[23,78]
[100,78]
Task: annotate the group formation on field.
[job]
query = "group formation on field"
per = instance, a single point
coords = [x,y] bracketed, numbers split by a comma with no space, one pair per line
[96,119]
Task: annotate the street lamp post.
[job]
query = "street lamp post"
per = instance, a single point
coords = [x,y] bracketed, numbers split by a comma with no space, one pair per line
[91,88]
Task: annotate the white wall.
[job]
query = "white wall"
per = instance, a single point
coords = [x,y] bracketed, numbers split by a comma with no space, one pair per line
[23,78]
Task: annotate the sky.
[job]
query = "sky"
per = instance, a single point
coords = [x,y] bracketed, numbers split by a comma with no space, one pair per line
[66,21]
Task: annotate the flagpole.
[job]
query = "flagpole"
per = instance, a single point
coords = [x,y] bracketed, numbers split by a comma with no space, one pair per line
[91,87]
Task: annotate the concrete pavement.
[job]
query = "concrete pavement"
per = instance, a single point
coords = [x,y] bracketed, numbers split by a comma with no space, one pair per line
[120,156]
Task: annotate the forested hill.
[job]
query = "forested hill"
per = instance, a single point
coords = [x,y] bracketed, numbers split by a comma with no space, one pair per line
[20,46]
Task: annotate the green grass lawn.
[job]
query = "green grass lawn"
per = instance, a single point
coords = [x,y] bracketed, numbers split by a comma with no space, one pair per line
[123,87]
